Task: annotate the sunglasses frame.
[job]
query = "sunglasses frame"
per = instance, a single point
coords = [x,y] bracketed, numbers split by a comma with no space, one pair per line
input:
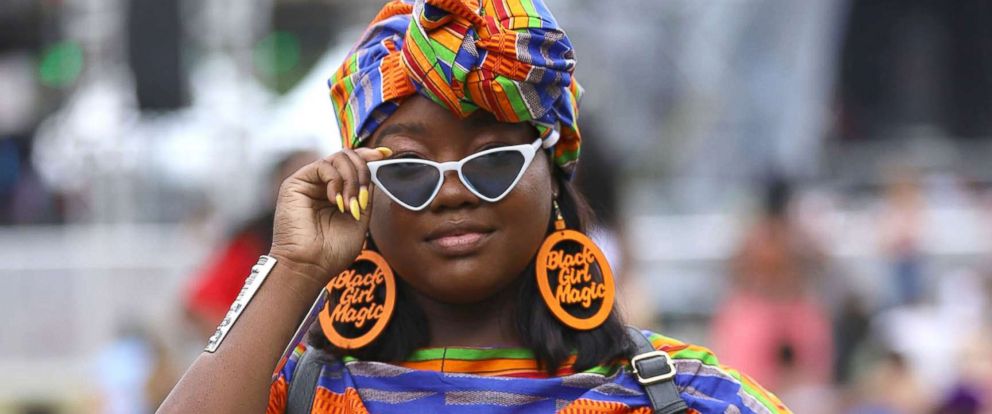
[527,150]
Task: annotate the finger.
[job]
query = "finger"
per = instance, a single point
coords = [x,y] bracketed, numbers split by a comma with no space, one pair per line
[322,174]
[333,182]
[363,178]
[368,155]
[349,178]
[312,181]
[366,216]
[373,154]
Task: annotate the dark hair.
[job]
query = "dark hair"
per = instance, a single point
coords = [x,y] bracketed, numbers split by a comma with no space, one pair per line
[550,341]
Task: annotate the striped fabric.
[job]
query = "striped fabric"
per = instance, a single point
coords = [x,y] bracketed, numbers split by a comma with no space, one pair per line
[507,380]
[507,57]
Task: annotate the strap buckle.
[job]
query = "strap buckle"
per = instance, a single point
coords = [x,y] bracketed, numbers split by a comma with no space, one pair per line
[664,376]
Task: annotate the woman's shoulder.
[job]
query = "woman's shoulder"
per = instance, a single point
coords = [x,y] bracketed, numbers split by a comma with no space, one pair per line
[709,386]
[678,349]
[706,385]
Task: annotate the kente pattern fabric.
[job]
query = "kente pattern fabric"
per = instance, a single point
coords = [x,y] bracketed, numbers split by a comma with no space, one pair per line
[475,380]
[507,57]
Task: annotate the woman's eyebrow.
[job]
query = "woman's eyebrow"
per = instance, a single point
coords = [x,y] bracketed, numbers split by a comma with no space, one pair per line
[411,128]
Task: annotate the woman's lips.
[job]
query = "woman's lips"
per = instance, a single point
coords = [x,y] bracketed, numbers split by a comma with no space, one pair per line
[459,244]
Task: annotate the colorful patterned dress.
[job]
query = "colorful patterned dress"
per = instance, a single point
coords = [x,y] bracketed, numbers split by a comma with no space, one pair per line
[506,380]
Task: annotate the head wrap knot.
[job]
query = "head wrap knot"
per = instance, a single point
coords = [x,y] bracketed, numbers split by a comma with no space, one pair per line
[508,57]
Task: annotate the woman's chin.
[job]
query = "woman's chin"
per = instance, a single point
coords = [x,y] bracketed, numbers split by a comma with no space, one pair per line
[460,289]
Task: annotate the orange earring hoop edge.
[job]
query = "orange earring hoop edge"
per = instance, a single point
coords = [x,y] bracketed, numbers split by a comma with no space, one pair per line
[327,325]
[563,234]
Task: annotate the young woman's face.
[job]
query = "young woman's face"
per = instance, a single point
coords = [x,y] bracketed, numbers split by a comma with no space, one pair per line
[460,249]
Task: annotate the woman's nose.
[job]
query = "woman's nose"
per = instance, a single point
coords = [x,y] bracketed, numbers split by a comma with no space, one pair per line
[453,194]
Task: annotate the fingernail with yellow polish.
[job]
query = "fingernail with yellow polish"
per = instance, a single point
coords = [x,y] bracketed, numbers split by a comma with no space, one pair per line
[384,151]
[340,201]
[354,208]
[363,197]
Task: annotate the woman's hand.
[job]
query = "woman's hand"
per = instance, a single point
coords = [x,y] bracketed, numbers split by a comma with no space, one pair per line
[313,240]
[322,214]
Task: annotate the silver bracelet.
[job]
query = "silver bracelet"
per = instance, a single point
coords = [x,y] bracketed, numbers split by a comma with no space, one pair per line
[254,281]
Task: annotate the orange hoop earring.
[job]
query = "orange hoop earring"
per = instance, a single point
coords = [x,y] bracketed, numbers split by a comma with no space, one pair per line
[567,267]
[360,302]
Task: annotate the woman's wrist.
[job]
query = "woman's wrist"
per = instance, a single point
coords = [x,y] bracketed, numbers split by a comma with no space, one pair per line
[304,279]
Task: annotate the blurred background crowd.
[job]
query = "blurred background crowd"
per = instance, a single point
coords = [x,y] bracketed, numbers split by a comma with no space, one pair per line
[805,187]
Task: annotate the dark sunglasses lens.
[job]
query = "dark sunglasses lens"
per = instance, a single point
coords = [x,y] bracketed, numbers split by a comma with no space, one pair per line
[492,174]
[410,182]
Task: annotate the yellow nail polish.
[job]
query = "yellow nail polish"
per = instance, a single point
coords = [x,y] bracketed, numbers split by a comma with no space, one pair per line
[340,201]
[384,151]
[363,197]
[354,208]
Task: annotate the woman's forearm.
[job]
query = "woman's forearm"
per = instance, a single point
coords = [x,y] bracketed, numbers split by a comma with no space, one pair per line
[237,376]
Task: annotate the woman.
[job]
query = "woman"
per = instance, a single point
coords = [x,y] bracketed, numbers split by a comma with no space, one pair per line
[484,89]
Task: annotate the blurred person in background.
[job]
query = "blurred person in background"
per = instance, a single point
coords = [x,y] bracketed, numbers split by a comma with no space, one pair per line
[902,223]
[430,81]
[210,293]
[938,311]
[770,306]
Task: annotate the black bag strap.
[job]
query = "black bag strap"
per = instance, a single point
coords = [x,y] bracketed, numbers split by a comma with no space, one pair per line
[656,372]
[303,387]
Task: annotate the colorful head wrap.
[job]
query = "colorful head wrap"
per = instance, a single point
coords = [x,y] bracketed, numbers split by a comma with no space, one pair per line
[508,57]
